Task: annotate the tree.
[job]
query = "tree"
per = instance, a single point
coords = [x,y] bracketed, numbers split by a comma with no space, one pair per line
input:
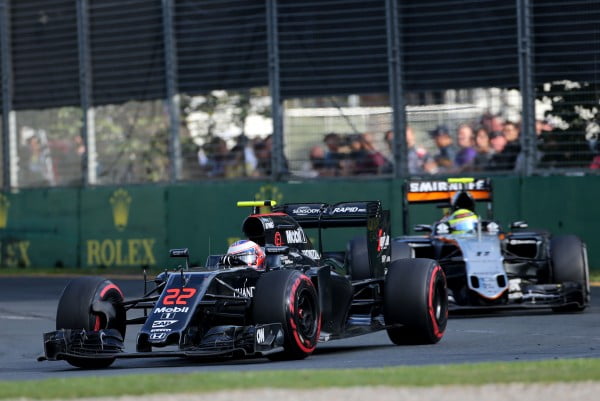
[574,107]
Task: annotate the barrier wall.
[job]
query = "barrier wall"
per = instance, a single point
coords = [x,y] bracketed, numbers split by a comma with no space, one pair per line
[134,226]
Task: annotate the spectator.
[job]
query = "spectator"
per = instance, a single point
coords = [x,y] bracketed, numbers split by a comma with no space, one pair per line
[547,146]
[512,150]
[446,149]
[212,157]
[318,167]
[376,161]
[483,148]
[262,152]
[388,138]
[492,122]
[465,157]
[429,165]
[499,159]
[38,168]
[358,161]
[333,156]
[416,154]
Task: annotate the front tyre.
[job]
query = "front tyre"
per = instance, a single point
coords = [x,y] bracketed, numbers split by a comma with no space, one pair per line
[289,297]
[568,257]
[76,311]
[415,297]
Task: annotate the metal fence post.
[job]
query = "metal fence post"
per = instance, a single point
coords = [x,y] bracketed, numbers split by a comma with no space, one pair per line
[395,80]
[277,167]
[171,88]
[10,156]
[526,85]
[89,161]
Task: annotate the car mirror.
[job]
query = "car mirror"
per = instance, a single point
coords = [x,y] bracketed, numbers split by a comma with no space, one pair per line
[491,227]
[423,228]
[519,224]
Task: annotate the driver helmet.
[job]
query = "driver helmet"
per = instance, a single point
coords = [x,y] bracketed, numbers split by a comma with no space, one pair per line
[462,200]
[248,252]
[462,221]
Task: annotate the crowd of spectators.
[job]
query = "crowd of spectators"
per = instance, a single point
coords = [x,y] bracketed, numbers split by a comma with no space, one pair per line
[491,144]
[247,158]
[347,155]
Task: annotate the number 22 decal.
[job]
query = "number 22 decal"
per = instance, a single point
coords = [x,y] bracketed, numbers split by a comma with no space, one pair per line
[178,296]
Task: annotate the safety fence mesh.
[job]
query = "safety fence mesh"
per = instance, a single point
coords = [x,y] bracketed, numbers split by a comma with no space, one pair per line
[478,87]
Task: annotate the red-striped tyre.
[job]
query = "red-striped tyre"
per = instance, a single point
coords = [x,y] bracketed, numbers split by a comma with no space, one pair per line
[415,302]
[289,297]
[75,312]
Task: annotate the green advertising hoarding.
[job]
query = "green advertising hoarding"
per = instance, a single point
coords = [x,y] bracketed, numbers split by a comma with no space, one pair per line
[135,226]
[124,226]
[39,228]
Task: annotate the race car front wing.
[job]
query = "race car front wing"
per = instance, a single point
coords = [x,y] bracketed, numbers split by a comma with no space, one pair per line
[219,341]
[531,296]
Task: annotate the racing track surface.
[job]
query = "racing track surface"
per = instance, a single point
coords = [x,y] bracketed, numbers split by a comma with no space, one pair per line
[28,307]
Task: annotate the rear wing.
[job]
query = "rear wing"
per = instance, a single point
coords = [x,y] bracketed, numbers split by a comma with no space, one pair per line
[420,191]
[323,215]
[369,214]
[441,191]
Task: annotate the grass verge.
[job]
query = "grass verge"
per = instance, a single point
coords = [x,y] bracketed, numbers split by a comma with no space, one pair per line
[569,370]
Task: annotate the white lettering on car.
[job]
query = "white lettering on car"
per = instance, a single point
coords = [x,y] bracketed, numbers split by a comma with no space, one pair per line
[260,335]
[295,236]
[162,323]
[172,310]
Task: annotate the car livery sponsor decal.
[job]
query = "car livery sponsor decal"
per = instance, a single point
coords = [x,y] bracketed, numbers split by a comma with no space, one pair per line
[260,335]
[167,316]
[163,323]
[348,209]
[158,336]
[311,253]
[160,330]
[245,291]
[295,236]
[445,186]
[277,239]
[522,241]
[442,228]
[267,223]
[175,309]
[305,211]
[383,241]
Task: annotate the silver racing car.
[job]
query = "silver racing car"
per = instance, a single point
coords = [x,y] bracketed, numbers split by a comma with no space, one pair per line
[487,267]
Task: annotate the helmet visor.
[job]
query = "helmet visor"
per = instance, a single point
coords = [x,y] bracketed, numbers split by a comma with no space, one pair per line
[465,225]
[248,257]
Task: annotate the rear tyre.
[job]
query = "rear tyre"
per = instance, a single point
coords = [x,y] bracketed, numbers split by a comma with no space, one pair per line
[568,257]
[415,297]
[289,297]
[75,312]
[357,256]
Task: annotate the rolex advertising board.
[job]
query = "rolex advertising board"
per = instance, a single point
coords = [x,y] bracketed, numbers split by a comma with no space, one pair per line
[123,226]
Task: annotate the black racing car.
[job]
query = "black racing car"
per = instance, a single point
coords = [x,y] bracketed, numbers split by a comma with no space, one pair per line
[490,268]
[300,296]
